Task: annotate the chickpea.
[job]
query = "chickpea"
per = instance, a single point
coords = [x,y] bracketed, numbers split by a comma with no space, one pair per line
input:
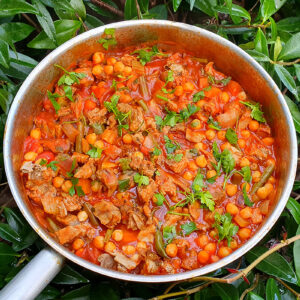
[178,91]
[201,103]
[117,235]
[262,193]
[127,71]
[188,175]
[192,166]
[98,242]
[110,247]
[82,216]
[233,244]
[111,61]
[30,156]
[203,257]
[242,143]
[66,186]
[97,70]
[244,233]
[201,161]
[119,67]
[199,146]
[256,176]
[95,186]
[139,154]
[98,57]
[242,96]
[196,124]
[224,251]
[247,186]
[188,86]
[245,134]
[77,244]
[231,189]
[224,146]
[268,141]
[246,213]
[108,69]
[58,181]
[171,250]
[202,240]
[221,135]
[253,125]
[40,149]
[210,134]
[125,98]
[272,180]
[36,133]
[91,138]
[127,138]
[211,173]
[232,208]
[99,144]
[244,162]
[225,97]
[213,234]
[211,248]
[128,249]
[214,258]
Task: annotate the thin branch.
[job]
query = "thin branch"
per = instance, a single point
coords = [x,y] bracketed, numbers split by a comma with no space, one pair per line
[251,288]
[169,10]
[250,10]
[139,14]
[35,25]
[108,7]
[288,287]
[3,183]
[283,63]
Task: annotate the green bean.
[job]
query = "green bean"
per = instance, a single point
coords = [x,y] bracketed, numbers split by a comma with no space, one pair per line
[108,234]
[90,214]
[53,226]
[264,177]
[79,137]
[159,244]
[144,88]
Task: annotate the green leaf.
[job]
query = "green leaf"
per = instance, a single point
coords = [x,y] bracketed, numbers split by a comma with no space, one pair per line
[92,22]
[15,220]
[236,11]
[246,171]
[107,290]
[297,71]
[291,49]
[286,78]
[102,11]
[247,201]
[269,7]
[231,136]
[188,228]
[48,293]
[274,264]
[95,152]
[207,6]
[260,42]
[227,161]
[294,112]
[82,293]
[258,56]
[272,291]
[169,233]
[175,157]
[176,4]
[253,296]
[7,257]
[273,29]
[65,29]
[20,59]
[124,185]
[140,179]
[130,10]
[144,5]
[45,20]
[69,9]
[160,199]
[159,12]
[226,291]
[296,252]
[206,199]
[8,234]
[11,8]
[198,184]
[277,48]
[291,24]
[156,151]
[296,185]
[256,112]
[6,251]
[294,208]
[52,98]
[4,54]
[69,276]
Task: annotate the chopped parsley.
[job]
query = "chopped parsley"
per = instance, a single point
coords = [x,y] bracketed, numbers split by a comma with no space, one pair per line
[231,136]
[200,95]
[188,228]
[69,78]
[140,179]
[256,112]
[124,185]
[169,233]
[187,112]
[76,188]
[125,164]
[170,145]
[226,229]
[156,151]
[247,200]
[70,173]
[52,98]
[213,124]
[95,152]
[160,199]
[228,164]
[68,92]
[175,157]
[145,55]
[109,39]
[246,173]
[52,164]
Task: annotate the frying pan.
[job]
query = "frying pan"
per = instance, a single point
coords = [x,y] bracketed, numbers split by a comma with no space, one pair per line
[228,58]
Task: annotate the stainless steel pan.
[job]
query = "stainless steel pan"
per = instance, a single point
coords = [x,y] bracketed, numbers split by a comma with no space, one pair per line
[228,57]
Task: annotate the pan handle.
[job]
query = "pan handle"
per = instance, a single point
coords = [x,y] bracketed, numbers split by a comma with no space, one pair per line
[34,277]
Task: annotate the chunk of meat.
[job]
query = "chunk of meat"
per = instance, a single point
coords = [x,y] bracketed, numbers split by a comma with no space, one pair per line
[136,120]
[54,206]
[37,192]
[72,203]
[244,120]
[217,192]
[86,171]
[171,219]
[143,166]
[231,113]
[260,152]
[166,185]
[69,233]
[97,115]
[106,261]
[194,136]
[177,69]
[146,192]
[125,261]
[136,220]
[189,262]
[88,79]
[195,210]
[109,178]
[147,235]
[138,138]
[108,214]
[152,263]
[68,220]
[80,158]
[175,166]
[57,145]
[37,174]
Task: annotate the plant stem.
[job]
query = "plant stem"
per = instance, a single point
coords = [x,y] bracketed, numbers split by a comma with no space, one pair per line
[35,25]
[242,273]
[108,7]
[288,287]
[139,15]
[283,63]
[251,288]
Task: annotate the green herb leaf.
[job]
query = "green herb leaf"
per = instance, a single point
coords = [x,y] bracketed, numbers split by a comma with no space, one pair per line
[231,136]
[94,152]
[109,39]
[216,151]
[188,228]
[69,78]
[79,191]
[52,165]
[70,173]
[156,151]
[226,229]
[160,199]
[124,185]
[170,145]
[52,98]
[124,162]
[198,96]
[170,77]
[68,92]
[140,179]
[256,113]
[213,124]
[169,233]
[187,112]
[145,55]
[247,201]
[43,162]
[198,184]
[175,157]
[227,161]
[246,172]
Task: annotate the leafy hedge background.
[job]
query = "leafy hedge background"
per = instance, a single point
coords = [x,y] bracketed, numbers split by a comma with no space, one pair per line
[269,30]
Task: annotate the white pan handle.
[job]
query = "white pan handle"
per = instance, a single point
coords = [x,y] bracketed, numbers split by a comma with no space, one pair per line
[34,277]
